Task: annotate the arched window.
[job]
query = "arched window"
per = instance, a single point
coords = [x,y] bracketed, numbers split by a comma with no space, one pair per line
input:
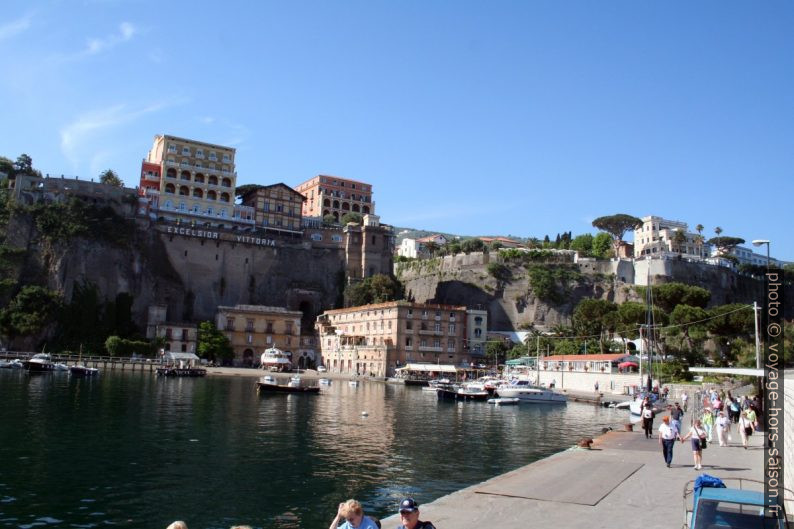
[326,202]
[198,193]
[336,215]
[212,180]
[170,173]
[345,206]
[226,182]
[185,175]
[199,178]
[365,210]
[184,191]
[336,204]
[224,197]
[212,195]
[169,188]
[326,212]
[356,209]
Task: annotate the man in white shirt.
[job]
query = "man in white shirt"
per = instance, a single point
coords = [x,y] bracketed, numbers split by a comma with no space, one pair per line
[668,434]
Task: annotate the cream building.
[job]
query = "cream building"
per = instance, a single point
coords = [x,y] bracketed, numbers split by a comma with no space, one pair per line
[657,237]
[192,181]
[179,337]
[377,339]
[253,328]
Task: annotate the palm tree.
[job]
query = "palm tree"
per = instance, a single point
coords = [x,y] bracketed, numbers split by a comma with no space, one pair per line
[679,238]
[718,231]
[699,228]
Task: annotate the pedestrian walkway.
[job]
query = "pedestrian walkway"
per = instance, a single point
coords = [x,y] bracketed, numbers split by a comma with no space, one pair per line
[622,482]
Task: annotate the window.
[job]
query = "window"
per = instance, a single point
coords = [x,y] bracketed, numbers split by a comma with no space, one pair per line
[450,344]
[249,325]
[229,324]
[478,320]
[199,153]
[423,342]
[437,327]
[408,341]
[213,157]
[336,238]
[409,325]
[269,327]
[185,151]
[184,335]
[172,149]
[451,329]
[437,343]
[226,157]
[317,236]
[288,330]
[168,334]
[477,333]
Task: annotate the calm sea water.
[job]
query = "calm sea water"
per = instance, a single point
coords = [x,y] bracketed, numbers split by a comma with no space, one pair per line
[135,450]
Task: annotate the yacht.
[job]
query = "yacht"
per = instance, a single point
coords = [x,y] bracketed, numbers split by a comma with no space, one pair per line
[528,393]
[39,363]
[275,359]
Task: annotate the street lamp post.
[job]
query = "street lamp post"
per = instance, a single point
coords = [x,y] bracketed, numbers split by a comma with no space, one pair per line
[756,309]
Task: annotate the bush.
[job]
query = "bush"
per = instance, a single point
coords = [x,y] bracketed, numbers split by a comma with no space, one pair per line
[500,271]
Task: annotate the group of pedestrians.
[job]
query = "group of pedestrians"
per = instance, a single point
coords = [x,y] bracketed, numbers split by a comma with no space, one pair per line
[720,411]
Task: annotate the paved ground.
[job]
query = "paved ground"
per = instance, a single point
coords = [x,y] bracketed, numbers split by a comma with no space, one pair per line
[622,482]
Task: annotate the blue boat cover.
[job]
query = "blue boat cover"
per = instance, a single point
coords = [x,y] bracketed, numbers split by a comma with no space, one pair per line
[704,480]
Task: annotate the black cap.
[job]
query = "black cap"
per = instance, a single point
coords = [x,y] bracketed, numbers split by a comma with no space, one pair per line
[409,505]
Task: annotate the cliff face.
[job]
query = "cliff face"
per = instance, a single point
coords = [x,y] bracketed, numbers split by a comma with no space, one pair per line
[464,280]
[191,276]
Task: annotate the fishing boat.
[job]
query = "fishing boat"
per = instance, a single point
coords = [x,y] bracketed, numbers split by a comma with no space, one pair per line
[263,386]
[39,363]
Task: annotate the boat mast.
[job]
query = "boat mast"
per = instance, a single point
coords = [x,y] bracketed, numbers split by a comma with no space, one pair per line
[649,323]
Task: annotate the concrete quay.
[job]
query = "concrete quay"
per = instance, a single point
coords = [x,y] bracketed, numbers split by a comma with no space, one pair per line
[621,482]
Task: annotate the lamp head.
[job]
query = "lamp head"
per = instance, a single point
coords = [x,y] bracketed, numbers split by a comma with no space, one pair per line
[759,242]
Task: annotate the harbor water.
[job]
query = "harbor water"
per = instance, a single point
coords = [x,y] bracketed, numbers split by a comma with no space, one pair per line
[136,450]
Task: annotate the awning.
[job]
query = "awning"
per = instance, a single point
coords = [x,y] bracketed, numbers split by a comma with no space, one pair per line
[624,365]
[181,356]
[427,368]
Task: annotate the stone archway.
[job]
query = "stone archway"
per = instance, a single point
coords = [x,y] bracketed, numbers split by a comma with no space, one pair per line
[248,358]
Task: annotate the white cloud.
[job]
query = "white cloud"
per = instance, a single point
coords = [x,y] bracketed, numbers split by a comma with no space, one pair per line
[76,137]
[15,27]
[96,45]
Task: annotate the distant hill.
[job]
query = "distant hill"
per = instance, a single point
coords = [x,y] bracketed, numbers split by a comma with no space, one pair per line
[414,233]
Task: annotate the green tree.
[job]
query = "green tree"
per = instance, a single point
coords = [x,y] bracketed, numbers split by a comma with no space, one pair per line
[495,350]
[602,244]
[668,295]
[212,343]
[30,312]
[583,244]
[617,225]
[431,247]
[374,289]
[725,245]
[24,164]
[472,245]
[109,177]
[679,240]
[329,219]
[727,323]
[595,317]
[353,217]
[500,271]
[689,322]
[242,191]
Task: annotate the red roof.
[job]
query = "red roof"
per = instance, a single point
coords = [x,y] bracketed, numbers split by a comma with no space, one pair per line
[586,358]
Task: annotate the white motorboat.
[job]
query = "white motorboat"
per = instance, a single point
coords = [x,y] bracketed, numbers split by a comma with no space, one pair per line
[268,379]
[294,381]
[12,364]
[324,382]
[60,367]
[527,393]
[39,363]
[353,383]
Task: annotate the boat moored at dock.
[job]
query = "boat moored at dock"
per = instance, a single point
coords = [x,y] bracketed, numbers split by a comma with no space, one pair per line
[39,363]
[294,386]
[527,393]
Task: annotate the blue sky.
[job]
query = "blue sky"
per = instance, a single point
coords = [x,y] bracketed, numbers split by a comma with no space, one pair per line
[478,118]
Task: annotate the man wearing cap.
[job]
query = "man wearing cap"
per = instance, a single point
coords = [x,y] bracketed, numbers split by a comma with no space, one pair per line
[409,516]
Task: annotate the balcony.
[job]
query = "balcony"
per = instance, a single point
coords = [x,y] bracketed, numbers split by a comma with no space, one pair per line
[428,349]
[428,332]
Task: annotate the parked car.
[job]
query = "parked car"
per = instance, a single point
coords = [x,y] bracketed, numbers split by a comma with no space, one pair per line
[321,369]
[715,506]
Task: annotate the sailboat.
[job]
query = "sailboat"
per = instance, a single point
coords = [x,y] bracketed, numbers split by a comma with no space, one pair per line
[80,369]
[650,327]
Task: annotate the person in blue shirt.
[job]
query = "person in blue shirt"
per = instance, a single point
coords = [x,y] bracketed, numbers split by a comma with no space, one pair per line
[353,514]
[409,516]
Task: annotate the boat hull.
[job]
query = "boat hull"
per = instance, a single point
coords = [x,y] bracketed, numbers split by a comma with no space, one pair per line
[264,387]
[456,394]
[542,396]
[83,371]
[181,372]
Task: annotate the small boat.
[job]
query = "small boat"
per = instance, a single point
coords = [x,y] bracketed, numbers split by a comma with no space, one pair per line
[292,387]
[504,401]
[83,371]
[269,379]
[454,392]
[12,364]
[353,383]
[60,367]
[324,382]
[39,363]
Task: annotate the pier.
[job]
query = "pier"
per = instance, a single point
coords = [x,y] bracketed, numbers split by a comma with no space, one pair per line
[102,362]
[621,482]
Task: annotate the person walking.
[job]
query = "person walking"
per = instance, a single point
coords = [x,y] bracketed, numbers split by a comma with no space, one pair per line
[667,437]
[698,436]
[685,399]
[707,419]
[752,417]
[723,429]
[676,414]
[647,421]
[353,514]
[745,428]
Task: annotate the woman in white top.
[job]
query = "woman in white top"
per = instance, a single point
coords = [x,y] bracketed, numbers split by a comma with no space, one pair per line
[745,428]
[723,429]
[698,435]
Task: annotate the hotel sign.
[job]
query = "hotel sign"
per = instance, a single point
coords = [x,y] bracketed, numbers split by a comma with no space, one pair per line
[209,234]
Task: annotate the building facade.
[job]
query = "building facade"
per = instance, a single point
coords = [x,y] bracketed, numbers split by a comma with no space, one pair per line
[253,328]
[332,195]
[658,238]
[744,256]
[179,337]
[377,339]
[192,181]
[276,207]
[476,332]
